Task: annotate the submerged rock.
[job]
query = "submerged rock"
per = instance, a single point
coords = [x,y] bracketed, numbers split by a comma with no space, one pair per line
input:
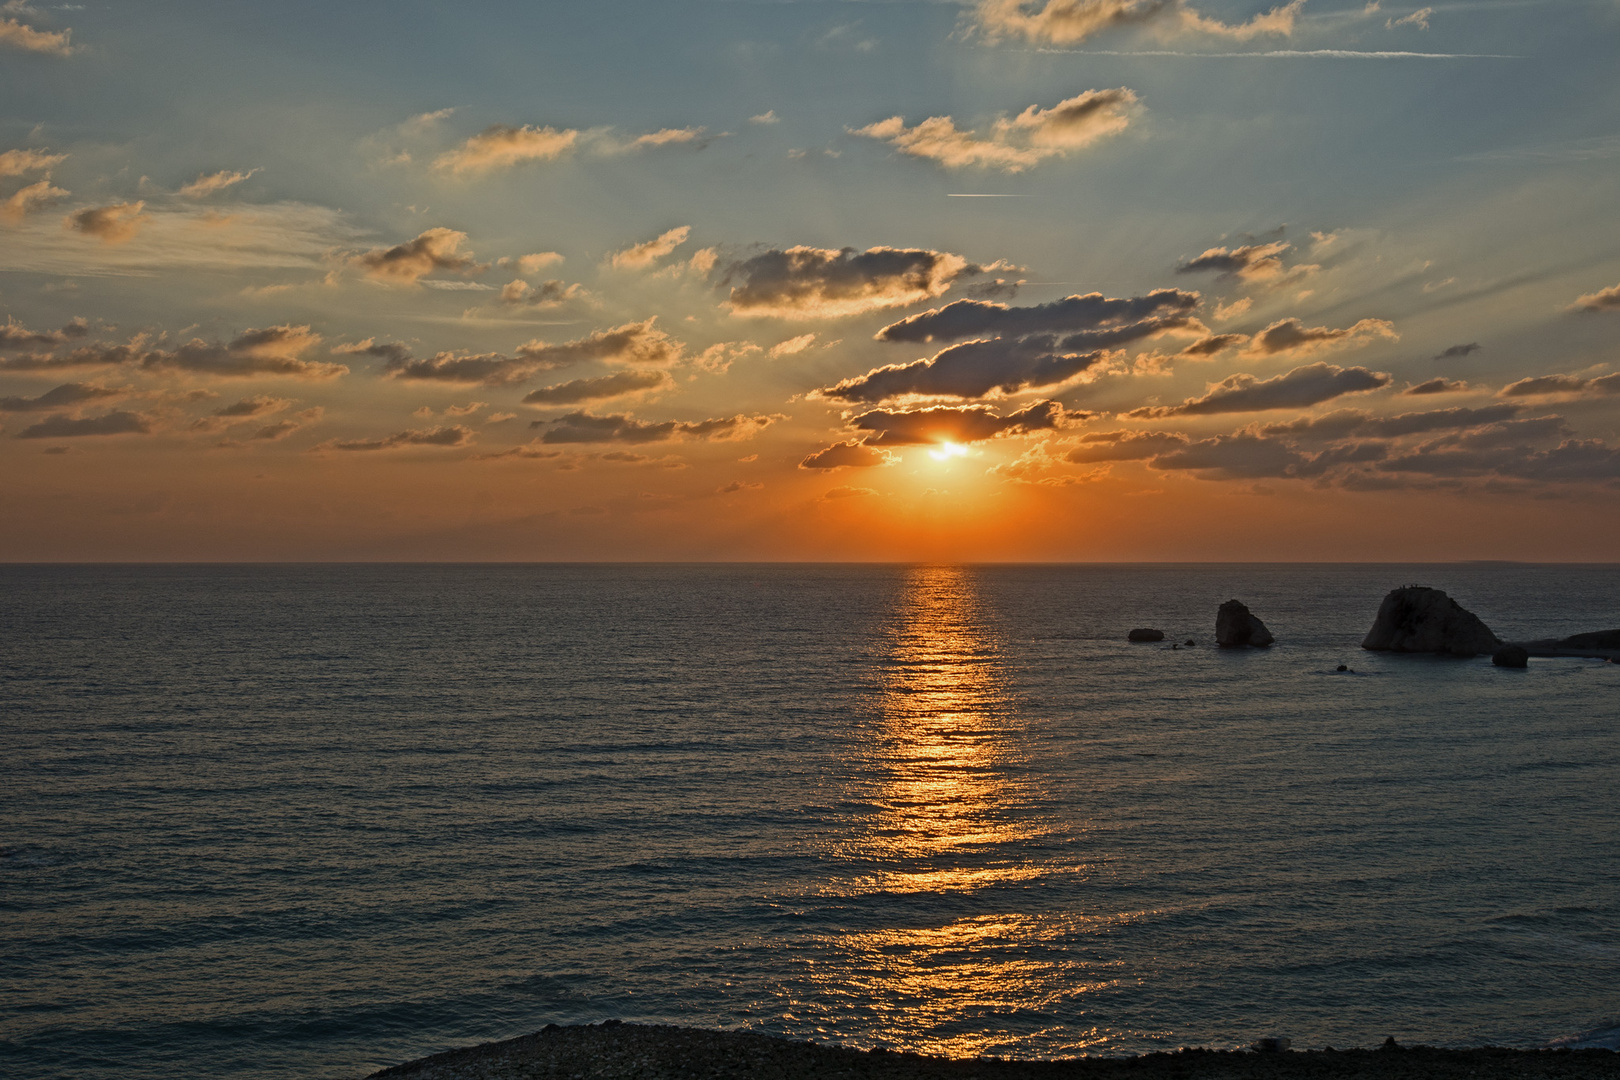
[1419,619]
[1145,633]
[1511,656]
[1235,627]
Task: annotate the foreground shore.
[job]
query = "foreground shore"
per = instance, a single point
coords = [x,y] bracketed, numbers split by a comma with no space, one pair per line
[613,1050]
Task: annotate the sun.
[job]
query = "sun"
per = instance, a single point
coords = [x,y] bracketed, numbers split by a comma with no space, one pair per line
[948,450]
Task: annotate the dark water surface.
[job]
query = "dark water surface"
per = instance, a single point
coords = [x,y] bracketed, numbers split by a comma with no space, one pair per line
[306,821]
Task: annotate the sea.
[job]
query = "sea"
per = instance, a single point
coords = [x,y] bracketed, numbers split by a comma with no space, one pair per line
[312,820]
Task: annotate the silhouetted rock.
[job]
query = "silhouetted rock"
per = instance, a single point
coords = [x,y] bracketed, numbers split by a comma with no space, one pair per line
[1419,619]
[1189,641]
[1597,645]
[1146,634]
[1235,627]
[1511,656]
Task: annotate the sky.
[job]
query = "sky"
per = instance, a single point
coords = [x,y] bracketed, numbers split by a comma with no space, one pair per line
[1076,280]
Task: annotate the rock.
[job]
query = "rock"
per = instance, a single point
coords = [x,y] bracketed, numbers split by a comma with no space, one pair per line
[1342,667]
[1145,633]
[1419,619]
[1190,642]
[1597,645]
[1511,656]
[1270,1044]
[1235,627]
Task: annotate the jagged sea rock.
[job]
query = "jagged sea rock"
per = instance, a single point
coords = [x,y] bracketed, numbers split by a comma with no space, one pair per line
[1511,656]
[1418,619]
[1145,633]
[1235,627]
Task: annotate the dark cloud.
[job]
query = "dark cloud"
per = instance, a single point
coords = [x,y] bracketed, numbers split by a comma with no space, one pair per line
[273,350]
[633,343]
[407,263]
[1246,263]
[113,423]
[110,224]
[14,336]
[451,436]
[258,405]
[1542,385]
[1211,344]
[608,386]
[970,370]
[1143,315]
[1301,387]
[1453,351]
[86,356]
[1508,455]
[282,428]
[1348,423]
[1245,456]
[581,427]
[847,455]
[1291,335]
[819,283]
[1124,446]
[395,353]
[61,397]
[954,423]
[1436,386]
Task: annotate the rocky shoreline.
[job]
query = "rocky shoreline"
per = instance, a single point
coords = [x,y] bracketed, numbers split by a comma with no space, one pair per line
[619,1051]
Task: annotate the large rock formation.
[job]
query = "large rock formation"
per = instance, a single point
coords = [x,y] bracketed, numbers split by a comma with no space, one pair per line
[1597,645]
[1235,627]
[1419,619]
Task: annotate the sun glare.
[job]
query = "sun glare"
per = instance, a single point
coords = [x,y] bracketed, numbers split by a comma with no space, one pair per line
[948,450]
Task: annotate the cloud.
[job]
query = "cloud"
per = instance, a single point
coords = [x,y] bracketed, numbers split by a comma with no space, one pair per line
[1602,300]
[1436,386]
[806,282]
[273,350]
[548,294]
[736,486]
[581,427]
[847,492]
[1506,452]
[1253,262]
[19,35]
[452,436]
[1543,385]
[638,343]
[1016,144]
[954,423]
[1159,309]
[618,384]
[848,455]
[407,263]
[1245,456]
[64,396]
[792,346]
[22,162]
[1291,335]
[1069,22]
[114,224]
[392,351]
[35,196]
[502,147]
[1349,423]
[1298,388]
[1124,446]
[1452,351]
[767,117]
[653,139]
[282,428]
[248,408]
[13,335]
[1418,18]
[532,264]
[645,254]
[1211,345]
[113,423]
[208,184]
[972,369]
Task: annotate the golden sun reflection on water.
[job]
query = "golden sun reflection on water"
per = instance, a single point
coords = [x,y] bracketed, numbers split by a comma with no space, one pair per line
[946,807]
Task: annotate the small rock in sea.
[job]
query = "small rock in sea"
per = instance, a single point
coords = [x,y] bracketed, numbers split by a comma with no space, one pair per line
[1419,619]
[1511,656]
[1189,642]
[1270,1044]
[1390,1043]
[1342,667]
[1235,627]
[1145,633]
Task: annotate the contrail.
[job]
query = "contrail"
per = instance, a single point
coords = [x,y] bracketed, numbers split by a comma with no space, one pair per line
[1334,54]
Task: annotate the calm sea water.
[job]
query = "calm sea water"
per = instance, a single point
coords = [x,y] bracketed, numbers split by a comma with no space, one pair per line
[308,821]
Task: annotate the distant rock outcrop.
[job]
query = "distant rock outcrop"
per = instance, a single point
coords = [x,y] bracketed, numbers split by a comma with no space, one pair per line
[1597,645]
[1511,656]
[1419,619]
[1235,627]
[1145,634]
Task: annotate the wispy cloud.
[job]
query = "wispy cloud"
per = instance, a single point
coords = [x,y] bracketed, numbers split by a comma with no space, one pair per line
[1069,22]
[1012,145]
[643,255]
[208,184]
